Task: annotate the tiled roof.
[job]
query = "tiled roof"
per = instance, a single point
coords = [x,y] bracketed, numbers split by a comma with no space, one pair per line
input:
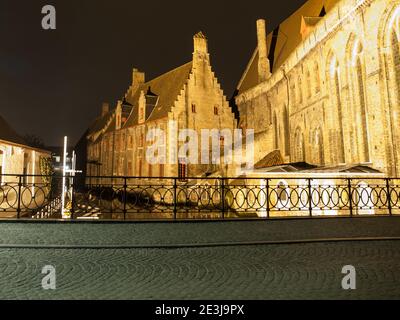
[100,122]
[167,87]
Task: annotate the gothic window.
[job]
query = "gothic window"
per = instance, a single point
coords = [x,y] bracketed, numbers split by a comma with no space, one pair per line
[317,78]
[293,93]
[286,131]
[275,124]
[319,147]
[362,105]
[300,90]
[391,51]
[299,152]
[308,85]
[337,141]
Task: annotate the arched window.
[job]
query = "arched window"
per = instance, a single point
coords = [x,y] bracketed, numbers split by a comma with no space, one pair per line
[300,90]
[391,45]
[275,124]
[293,92]
[360,101]
[336,136]
[308,85]
[286,131]
[299,152]
[317,78]
[319,147]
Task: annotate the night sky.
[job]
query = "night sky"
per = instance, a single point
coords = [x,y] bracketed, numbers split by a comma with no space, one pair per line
[52,83]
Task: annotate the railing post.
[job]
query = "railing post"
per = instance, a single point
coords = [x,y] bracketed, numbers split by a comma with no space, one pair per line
[389,196]
[72,200]
[175,199]
[350,196]
[310,207]
[124,195]
[267,197]
[19,197]
[223,197]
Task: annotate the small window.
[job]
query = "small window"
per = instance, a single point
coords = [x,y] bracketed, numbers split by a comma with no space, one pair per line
[193,108]
[182,171]
[222,141]
[216,111]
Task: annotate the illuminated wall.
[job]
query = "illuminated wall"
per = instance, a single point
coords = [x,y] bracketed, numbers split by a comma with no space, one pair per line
[336,98]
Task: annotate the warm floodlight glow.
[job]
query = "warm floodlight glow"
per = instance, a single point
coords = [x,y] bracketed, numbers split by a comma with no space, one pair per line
[357,49]
[63,180]
[394,22]
[333,67]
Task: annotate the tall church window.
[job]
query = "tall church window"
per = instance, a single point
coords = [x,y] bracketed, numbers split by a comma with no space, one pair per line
[308,85]
[286,131]
[319,147]
[275,125]
[361,102]
[300,90]
[299,152]
[391,52]
[337,141]
[317,78]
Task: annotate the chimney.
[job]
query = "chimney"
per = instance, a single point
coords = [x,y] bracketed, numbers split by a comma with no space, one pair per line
[263,62]
[200,44]
[105,108]
[138,77]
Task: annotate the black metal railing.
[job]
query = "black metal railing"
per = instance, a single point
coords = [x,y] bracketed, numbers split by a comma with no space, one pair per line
[127,198]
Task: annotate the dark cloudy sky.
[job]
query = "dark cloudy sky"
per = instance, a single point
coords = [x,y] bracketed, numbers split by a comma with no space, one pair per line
[52,83]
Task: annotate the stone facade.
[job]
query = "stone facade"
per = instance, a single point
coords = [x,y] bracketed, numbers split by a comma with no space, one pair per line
[189,96]
[335,98]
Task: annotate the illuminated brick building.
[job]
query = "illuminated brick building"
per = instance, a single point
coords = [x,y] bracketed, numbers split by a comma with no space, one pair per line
[189,95]
[323,87]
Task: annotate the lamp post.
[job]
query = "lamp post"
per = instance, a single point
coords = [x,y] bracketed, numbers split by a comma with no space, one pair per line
[66,171]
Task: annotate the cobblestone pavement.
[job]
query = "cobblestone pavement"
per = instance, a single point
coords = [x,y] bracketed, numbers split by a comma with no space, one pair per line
[195,233]
[300,271]
[274,271]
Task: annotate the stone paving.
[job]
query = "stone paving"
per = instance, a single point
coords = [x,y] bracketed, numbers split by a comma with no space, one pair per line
[273,271]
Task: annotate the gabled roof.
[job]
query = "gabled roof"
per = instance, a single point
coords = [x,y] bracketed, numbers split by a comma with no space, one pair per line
[100,122]
[287,37]
[166,87]
[7,133]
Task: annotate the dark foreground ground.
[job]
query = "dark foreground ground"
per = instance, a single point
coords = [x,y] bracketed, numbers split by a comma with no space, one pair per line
[220,260]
